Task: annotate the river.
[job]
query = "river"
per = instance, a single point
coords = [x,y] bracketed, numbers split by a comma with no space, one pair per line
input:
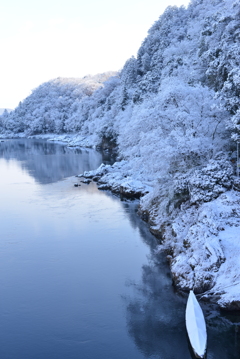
[80,277]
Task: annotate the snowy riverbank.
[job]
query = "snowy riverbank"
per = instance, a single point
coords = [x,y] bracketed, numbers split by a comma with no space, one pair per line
[197,220]
[70,140]
[196,216]
[173,114]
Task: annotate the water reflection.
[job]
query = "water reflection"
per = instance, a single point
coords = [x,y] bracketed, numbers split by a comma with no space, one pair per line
[49,162]
[131,208]
[88,252]
[156,318]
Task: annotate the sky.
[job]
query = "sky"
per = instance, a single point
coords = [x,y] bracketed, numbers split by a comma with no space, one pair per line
[45,39]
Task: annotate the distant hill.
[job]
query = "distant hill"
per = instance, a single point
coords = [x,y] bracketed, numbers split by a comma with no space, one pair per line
[51,106]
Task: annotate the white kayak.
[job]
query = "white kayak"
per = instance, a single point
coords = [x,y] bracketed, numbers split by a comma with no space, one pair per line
[196,326]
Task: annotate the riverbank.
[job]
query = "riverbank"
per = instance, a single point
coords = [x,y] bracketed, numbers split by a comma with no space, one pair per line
[195,216]
[70,140]
[197,220]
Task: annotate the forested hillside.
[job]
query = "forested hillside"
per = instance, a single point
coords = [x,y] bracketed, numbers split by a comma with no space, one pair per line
[174,114]
[179,97]
[51,106]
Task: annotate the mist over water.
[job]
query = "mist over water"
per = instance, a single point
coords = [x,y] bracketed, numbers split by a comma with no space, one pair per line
[79,273]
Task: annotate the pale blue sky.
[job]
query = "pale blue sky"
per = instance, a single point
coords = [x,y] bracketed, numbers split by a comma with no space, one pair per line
[44,39]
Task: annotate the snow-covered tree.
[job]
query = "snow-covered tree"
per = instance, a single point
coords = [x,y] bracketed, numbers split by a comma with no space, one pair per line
[174,101]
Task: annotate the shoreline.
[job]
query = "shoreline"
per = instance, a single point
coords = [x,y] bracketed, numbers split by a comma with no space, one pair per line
[201,257]
[198,229]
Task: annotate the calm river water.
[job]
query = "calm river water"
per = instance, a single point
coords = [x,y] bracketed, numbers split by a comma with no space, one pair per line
[79,274]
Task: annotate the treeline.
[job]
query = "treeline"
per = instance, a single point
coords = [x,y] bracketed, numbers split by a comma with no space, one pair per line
[172,107]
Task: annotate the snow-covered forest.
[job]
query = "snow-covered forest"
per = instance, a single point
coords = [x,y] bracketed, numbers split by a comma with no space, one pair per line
[173,113]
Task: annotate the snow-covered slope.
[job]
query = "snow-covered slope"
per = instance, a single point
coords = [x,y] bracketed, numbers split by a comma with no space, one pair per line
[174,114]
[51,105]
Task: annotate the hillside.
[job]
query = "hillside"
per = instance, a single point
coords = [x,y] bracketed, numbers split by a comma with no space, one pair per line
[174,114]
[51,105]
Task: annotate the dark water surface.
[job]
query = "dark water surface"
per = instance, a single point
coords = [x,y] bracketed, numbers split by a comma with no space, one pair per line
[79,275]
